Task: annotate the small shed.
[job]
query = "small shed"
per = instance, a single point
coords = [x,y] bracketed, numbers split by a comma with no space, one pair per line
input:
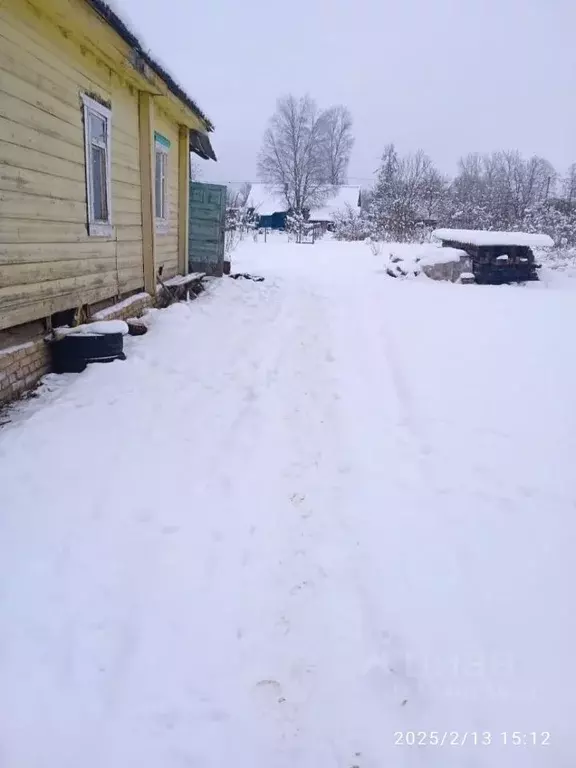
[497,257]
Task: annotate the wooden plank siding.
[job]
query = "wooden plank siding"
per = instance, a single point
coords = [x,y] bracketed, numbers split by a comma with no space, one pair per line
[47,260]
[52,52]
[167,241]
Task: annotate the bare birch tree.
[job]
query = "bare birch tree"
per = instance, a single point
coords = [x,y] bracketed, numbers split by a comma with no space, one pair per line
[291,159]
[337,143]
[569,185]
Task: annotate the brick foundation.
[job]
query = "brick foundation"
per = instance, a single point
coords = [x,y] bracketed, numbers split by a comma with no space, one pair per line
[22,365]
[21,368]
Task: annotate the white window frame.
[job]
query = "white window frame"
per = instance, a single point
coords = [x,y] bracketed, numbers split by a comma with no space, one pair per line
[162,224]
[91,106]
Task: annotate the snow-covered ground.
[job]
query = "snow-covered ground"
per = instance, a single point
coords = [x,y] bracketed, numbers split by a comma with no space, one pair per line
[304,516]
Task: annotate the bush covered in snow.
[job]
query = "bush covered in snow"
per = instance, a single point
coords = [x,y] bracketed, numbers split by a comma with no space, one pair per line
[351,224]
[240,218]
[299,229]
[561,259]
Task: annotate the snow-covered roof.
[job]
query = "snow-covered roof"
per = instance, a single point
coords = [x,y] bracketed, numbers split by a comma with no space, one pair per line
[267,200]
[344,196]
[484,237]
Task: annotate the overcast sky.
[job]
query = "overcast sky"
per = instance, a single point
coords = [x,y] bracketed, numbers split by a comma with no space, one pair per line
[447,76]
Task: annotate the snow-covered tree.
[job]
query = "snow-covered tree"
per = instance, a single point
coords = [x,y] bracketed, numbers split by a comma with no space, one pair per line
[385,192]
[306,151]
[434,197]
[351,224]
[240,219]
[291,158]
[496,190]
[195,169]
[555,218]
[569,185]
[298,227]
[336,143]
[409,190]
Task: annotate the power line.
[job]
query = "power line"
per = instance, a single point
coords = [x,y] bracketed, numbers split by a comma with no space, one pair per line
[368,179]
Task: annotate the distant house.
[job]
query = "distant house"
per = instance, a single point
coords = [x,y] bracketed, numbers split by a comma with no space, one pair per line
[344,197]
[95,140]
[271,206]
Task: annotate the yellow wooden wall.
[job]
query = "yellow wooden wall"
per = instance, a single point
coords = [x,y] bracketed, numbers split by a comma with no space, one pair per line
[47,261]
[167,242]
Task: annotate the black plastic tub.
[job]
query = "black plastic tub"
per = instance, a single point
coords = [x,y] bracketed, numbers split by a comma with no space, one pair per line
[72,353]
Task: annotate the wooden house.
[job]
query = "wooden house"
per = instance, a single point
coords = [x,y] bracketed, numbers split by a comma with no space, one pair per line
[340,199]
[95,141]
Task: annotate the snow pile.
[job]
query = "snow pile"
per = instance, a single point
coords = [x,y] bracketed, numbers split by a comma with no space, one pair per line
[105,327]
[16,348]
[432,256]
[103,314]
[563,260]
[417,259]
[98,328]
[558,267]
[484,237]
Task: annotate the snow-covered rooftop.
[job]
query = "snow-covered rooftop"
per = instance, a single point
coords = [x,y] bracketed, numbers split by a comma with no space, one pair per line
[268,200]
[344,196]
[483,237]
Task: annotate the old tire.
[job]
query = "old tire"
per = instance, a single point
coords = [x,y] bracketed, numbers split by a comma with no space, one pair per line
[73,353]
[136,327]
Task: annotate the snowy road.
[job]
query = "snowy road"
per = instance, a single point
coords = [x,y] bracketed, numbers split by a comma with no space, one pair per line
[304,516]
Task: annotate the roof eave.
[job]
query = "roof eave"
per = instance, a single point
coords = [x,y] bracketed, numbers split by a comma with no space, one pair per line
[201,146]
[116,23]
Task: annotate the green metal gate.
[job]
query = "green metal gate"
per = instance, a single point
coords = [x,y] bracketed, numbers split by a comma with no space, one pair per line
[207,212]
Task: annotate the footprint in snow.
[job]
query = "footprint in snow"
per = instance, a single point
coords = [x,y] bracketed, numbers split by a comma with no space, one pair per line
[390,672]
[299,587]
[269,693]
[170,529]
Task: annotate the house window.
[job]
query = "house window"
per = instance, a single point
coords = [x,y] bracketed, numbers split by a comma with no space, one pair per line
[97,124]
[162,147]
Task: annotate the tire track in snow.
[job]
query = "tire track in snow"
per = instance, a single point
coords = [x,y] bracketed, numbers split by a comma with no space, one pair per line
[372,417]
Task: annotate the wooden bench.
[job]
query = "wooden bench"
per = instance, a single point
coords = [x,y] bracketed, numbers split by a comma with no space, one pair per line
[180,287]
